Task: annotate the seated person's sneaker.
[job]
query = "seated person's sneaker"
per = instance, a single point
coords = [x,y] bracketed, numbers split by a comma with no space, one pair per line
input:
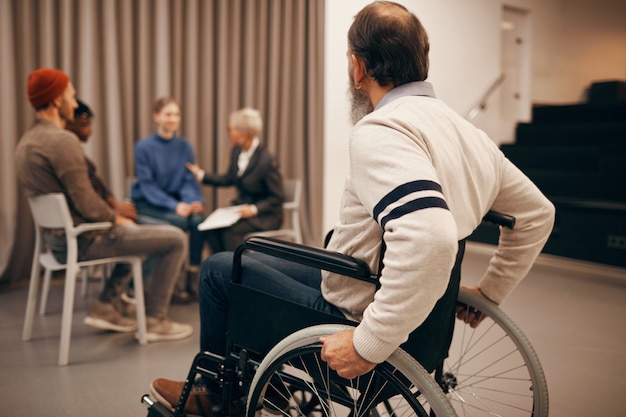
[168,392]
[181,297]
[165,329]
[125,305]
[104,316]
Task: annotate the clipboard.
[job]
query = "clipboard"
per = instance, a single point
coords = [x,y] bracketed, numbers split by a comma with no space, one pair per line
[220,218]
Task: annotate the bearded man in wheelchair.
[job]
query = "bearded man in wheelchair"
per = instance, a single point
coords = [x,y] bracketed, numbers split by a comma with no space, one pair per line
[421,179]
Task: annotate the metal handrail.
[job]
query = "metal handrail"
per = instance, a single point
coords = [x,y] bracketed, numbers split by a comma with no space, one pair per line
[481,105]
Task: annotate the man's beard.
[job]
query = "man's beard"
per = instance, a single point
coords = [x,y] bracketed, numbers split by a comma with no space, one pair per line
[361,104]
[66,112]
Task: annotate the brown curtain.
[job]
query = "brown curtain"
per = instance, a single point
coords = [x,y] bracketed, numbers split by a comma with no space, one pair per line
[213,56]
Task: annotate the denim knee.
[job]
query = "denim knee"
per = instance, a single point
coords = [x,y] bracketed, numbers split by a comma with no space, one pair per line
[195,220]
[180,222]
[216,270]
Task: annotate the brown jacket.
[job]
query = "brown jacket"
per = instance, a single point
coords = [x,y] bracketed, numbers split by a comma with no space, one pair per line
[51,160]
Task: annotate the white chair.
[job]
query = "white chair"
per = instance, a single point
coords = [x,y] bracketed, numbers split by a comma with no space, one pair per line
[50,211]
[291,206]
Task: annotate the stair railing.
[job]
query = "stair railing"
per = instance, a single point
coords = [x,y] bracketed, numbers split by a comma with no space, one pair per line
[481,105]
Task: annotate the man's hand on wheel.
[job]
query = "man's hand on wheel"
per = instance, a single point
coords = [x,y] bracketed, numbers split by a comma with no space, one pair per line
[338,351]
[469,314]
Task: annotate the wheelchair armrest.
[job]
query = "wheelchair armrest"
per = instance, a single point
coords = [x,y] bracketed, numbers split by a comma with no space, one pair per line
[306,255]
[499,219]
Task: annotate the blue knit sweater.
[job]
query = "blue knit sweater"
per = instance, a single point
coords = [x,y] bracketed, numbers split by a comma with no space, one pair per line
[162,178]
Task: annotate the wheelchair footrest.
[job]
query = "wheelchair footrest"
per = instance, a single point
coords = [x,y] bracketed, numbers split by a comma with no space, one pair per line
[155,409]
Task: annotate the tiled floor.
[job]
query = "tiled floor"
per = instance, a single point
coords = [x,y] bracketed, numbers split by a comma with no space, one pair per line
[573,314]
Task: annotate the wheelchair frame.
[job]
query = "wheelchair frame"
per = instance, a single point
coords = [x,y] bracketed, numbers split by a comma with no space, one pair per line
[257,355]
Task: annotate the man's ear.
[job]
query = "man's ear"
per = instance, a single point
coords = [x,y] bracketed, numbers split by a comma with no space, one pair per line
[56,102]
[358,69]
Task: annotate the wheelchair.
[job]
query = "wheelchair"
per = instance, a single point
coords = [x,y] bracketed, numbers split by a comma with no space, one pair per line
[446,368]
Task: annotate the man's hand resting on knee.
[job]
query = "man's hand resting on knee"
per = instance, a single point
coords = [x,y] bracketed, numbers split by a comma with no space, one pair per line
[338,351]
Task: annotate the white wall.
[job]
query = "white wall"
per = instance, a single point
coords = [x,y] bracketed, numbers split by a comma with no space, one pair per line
[576,42]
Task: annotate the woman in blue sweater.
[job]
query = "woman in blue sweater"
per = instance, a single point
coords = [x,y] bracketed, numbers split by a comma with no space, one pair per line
[165,190]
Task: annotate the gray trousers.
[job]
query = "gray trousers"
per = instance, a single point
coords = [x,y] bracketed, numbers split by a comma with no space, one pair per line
[168,244]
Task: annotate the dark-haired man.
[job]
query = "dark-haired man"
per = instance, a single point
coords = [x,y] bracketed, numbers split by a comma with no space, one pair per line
[421,179]
[50,159]
[82,127]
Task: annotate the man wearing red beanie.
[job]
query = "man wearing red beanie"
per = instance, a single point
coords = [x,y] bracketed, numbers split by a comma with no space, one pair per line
[46,84]
[50,159]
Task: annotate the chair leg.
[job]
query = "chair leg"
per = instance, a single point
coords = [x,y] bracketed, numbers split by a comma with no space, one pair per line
[43,304]
[31,302]
[68,312]
[140,302]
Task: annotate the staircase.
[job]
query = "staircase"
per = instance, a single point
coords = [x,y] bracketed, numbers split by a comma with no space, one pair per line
[576,154]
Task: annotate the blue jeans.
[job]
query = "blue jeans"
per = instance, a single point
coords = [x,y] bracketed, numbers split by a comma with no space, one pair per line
[284,279]
[187,224]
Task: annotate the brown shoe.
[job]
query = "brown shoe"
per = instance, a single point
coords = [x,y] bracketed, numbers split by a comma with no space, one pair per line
[125,305]
[168,392]
[104,316]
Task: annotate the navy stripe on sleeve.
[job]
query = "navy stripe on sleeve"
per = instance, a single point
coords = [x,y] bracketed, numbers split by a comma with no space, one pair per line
[414,205]
[404,190]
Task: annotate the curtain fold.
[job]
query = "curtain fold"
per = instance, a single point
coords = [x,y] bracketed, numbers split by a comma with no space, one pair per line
[213,56]
[9,122]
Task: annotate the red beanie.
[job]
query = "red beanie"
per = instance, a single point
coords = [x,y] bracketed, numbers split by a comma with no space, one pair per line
[44,85]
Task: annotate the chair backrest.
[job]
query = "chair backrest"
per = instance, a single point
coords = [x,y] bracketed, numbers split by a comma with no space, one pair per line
[291,206]
[50,211]
[292,190]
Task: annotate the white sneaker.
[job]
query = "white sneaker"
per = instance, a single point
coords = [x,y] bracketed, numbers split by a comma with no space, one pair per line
[159,330]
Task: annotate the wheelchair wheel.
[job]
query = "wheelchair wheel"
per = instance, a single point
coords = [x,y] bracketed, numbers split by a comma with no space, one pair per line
[493,369]
[292,380]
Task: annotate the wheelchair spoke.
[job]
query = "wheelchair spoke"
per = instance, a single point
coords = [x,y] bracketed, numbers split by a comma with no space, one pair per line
[303,385]
[491,376]
[491,369]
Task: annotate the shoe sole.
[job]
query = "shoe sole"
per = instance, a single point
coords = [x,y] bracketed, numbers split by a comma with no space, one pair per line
[159,398]
[107,325]
[156,337]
